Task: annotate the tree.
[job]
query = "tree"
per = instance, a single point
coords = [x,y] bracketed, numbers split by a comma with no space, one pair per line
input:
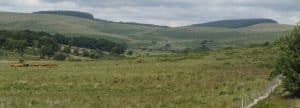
[288,63]
[85,53]
[17,46]
[2,40]
[67,49]
[167,46]
[76,51]
[48,46]
[46,51]
[130,53]
[95,54]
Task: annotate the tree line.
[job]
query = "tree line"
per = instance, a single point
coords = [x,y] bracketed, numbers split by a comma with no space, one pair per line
[48,44]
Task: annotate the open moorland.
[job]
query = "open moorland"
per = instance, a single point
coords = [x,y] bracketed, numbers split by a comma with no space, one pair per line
[223,78]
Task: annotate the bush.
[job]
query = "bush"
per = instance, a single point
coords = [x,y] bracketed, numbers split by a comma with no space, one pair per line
[60,56]
[67,49]
[85,53]
[95,54]
[130,53]
[288,63]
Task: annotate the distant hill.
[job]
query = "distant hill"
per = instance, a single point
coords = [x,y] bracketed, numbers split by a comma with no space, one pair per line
[141,36]
[90,16]
[239,23]
[68,13]
[141,24]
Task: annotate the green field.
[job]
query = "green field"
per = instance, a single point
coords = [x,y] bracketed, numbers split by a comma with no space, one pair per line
[216,79]
[280,100]
[141,36]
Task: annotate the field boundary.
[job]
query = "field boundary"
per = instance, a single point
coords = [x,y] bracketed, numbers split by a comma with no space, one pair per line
[267,93]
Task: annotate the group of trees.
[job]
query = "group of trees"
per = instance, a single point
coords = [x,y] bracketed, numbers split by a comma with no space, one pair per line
[48,44]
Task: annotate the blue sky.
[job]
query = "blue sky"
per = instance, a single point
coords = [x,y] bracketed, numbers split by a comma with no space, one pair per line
[167,12]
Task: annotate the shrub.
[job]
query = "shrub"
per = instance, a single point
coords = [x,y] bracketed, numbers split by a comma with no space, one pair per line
[95,54]
[85,53]
[288,63]
[60,56]
[130,52]
[67,49]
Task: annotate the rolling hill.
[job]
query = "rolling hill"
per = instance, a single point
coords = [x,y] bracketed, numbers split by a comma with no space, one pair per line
[238,23]
[142,35]
[68,13]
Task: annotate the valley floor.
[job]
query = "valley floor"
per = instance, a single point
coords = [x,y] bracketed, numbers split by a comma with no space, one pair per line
[217,79]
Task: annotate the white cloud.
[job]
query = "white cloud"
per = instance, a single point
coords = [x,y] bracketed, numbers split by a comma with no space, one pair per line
[167,12]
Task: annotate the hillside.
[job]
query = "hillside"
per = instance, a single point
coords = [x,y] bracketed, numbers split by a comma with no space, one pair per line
[68,13]
[90,16]
[235,23]
[139,36]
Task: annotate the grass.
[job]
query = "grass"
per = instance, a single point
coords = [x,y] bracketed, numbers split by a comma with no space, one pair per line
[279,100]
[218,79]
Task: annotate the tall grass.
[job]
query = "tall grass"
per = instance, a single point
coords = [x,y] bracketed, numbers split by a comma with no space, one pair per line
[206,81]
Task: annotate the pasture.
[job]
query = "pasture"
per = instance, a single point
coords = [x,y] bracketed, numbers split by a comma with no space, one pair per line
[216,79]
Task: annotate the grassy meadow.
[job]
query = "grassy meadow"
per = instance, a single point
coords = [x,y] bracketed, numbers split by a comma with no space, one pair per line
[217,79]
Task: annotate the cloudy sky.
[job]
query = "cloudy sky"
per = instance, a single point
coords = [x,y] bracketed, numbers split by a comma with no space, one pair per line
[167,12]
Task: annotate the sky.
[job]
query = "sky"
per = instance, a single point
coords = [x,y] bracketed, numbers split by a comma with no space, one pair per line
[167,12]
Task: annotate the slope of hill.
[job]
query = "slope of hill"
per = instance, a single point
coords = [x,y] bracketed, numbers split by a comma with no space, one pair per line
[90,16]
[143,36]
[68,13]
[236,23]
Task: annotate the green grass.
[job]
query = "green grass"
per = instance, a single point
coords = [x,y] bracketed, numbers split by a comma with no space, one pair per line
[279,100]
[141,35]
[214,80]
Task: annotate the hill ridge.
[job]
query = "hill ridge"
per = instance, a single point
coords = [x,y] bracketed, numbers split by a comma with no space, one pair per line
[235,23]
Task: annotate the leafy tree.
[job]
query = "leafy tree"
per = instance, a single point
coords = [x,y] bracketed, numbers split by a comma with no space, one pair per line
[167,46]
[95,54]
[62,39]
[67,49]
[289,62]
[85,53]
[76,51]
[17,46]
[2,40]
[130,52]
[46,51]
[48,46]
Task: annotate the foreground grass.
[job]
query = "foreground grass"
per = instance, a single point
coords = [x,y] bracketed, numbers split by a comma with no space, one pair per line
[218,79]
